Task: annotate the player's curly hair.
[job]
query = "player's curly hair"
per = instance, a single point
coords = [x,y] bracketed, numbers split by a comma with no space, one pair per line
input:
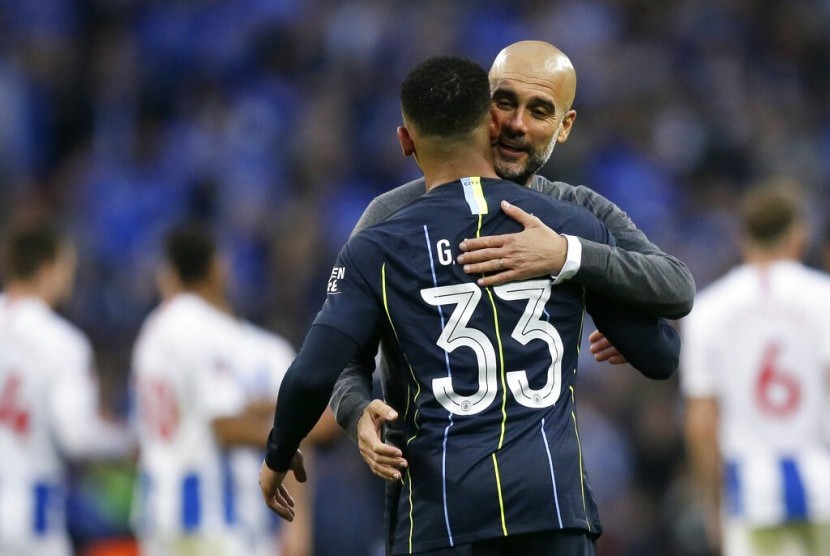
[446,96]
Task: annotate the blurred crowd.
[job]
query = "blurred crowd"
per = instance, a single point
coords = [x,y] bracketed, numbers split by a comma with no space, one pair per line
[273,121]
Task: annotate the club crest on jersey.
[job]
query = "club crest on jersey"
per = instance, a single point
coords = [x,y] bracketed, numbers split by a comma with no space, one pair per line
[337,273]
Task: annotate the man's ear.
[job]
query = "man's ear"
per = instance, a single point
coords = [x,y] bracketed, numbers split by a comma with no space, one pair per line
[567,124]
[405,139]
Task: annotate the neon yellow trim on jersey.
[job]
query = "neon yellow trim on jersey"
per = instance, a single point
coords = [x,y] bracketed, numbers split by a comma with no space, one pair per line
[501,499]
[411,510]
[474,195]
[501,364]
[411,371]
[415,420]
[392,324]
[581,469]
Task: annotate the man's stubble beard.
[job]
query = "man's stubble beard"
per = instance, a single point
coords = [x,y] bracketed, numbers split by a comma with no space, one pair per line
[535,161]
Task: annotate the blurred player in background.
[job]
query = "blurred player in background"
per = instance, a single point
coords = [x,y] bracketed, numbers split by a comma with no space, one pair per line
[755,366]
[48,395]
[194,365]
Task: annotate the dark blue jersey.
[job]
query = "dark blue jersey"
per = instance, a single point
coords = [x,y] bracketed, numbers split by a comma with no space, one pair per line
[483,378]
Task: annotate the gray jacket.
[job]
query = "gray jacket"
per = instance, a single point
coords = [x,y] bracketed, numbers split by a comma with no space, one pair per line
[635,272]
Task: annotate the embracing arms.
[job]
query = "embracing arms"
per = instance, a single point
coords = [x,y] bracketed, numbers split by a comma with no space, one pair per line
[635,272]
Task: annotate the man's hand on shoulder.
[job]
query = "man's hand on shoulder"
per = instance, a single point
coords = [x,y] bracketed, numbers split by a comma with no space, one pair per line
[384,460]
[535,251]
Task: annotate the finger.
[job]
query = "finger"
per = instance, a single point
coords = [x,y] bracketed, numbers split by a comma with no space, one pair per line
[617,360]
[281,509]
[596,336]
[605,354]
[478,243]
[390,457]
[387,472]
[277,502]
[383,450]
[493,266]
[371,443]
[524,218]
[481,256]
[499,278]
[286,497]
[381,412]
[600,345]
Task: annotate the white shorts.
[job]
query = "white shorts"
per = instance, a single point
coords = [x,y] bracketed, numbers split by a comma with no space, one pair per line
[191,545]
[52,545]
[792,539]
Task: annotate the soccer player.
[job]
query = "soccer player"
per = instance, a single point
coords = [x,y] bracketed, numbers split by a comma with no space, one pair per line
[532,85]
[755,372]
[188,366]
[488,413]
[48,395]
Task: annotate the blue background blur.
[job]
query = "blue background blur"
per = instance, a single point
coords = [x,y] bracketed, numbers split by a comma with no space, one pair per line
[274,122]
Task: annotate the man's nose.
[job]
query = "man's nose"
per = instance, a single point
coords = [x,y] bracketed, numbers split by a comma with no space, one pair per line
[516,121]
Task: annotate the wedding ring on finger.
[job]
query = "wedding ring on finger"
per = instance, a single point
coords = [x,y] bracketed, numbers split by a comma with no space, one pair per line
[501,264]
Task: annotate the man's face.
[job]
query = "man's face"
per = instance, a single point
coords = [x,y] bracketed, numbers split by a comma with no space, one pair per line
[530,124]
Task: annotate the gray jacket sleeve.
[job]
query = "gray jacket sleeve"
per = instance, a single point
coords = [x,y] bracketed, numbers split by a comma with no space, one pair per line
[353,389]
[636,271]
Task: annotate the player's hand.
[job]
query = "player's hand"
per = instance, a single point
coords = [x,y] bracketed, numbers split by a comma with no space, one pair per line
[535,251]
[274,492]
[384,460]
[603,350]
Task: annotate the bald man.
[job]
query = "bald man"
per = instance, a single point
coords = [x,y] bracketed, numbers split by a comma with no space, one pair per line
[532,85]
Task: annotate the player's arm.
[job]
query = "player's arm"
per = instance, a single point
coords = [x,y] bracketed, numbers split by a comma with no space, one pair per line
[701,434]
[353,391]
[351,306]
[303,396]
[74,408]
[246,428]
[635,272]
[650,344]
[638,271]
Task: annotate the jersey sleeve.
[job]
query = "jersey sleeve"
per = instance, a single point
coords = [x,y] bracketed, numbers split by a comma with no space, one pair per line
[636,270]
[352,303]
[74,409]
[650,344]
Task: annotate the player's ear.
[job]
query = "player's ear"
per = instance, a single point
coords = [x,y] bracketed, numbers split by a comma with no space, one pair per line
[405,139]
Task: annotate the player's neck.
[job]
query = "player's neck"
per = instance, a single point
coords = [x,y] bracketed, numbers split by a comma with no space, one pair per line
[452,166]
[20,290]
[211,295]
